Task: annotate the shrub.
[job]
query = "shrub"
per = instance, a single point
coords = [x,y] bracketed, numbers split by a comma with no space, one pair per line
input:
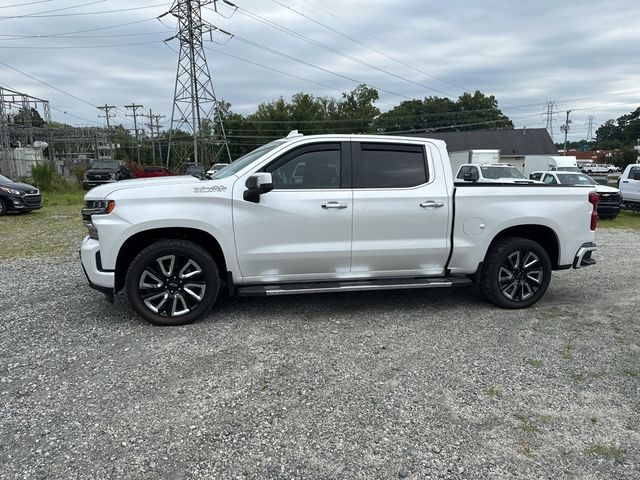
[78,172]
[43,174]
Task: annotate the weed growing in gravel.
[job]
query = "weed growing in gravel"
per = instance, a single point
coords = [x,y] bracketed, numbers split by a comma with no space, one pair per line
[606,451]
[577,377]
[630,373]
[493,392]
[526,423]
[525,450]
[567,353]
[593,419]
[534,363]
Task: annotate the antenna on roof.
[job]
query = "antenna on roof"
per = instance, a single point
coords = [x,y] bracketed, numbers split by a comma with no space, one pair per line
[294,133]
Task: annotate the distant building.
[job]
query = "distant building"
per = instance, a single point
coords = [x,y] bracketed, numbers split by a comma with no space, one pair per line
[514,145]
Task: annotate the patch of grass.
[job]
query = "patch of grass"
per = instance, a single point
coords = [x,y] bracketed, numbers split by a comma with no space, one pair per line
[615,327]
[577,377]
[493,392]
[525,450]
[534,363]
[567,353]
[54,230]
[606,451]
[630,372]
[626,219]
[527,423]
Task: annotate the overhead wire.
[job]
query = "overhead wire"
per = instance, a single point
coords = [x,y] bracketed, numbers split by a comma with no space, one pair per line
[99,12]
[38,14]
[25,4]
[335,51]
[379,52]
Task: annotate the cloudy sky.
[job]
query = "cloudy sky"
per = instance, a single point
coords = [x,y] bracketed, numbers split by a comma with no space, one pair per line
[581,54]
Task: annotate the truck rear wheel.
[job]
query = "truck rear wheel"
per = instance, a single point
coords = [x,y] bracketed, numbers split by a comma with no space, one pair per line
[516,273]
[172,282]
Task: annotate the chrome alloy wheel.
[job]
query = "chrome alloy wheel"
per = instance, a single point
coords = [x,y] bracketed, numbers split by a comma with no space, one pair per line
[521,275]
[172,285]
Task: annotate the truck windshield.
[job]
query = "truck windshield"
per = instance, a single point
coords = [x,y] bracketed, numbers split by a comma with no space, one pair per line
[576,179]
[495,172]
[245,160]
[104,165]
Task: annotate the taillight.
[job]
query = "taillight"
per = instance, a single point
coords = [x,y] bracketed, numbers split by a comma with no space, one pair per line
[594,198]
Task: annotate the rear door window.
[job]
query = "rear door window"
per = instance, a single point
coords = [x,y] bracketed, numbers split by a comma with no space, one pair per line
[383,165]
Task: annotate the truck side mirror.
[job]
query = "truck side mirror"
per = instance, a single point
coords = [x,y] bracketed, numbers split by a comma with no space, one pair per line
[257,184]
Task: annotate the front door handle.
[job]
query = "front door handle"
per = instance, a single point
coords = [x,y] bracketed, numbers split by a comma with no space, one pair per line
[334,205]
[431,204]
[624,181]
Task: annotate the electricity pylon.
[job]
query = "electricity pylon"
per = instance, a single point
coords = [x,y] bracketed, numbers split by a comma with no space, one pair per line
[195,109]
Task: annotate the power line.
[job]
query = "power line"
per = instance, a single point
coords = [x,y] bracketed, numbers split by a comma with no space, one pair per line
[25,37]
[78,47]
[24,4]
[85,13]
[383,41]
[38,14]
[379,52]
[317,67]
[333,50]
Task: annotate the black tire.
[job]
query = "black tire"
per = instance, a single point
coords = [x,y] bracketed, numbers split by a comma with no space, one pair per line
[516,273]
[172,282]
[3,208]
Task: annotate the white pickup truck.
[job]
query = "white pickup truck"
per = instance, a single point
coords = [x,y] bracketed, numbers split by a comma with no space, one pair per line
[629,184]
[330,213]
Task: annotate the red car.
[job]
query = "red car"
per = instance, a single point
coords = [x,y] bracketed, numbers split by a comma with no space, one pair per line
[153,171]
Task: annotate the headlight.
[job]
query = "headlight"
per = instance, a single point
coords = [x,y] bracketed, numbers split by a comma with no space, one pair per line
[11,191]
[96,207]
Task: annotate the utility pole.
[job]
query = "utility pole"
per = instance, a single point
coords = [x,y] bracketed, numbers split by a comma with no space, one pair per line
[590,119]
[195,107]
[550,114]
[154,128]
[565,129]
[134,108]
[107,115]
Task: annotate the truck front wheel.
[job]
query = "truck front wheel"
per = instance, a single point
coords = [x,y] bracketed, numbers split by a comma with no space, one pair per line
[172,282]
[516,273]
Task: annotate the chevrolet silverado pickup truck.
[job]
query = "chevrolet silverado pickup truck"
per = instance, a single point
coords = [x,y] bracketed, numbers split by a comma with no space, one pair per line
[629,184]
[330,213]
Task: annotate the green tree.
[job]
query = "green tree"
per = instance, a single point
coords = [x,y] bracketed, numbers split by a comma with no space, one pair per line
[356,111]
[29,115]
[470,112]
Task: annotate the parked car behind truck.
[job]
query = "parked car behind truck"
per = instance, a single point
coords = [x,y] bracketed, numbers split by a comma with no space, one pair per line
[18,197]
[363,213]
[610,198]
[105,171]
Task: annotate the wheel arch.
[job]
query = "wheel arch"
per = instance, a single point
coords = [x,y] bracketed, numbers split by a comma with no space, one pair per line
[541,234]
[134,244]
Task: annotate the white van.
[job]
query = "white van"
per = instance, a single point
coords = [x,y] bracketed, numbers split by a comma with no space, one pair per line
[550,163]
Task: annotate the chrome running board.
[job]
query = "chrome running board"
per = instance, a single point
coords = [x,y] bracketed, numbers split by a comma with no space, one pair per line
[352,286]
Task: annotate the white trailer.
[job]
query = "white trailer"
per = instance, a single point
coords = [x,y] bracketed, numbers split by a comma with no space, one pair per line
[546,163]
[483,157]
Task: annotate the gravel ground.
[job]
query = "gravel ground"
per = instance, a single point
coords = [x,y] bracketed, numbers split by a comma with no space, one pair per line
[407,384]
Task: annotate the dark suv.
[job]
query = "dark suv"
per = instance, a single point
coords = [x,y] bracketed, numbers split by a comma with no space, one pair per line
[18,197]
[105,171]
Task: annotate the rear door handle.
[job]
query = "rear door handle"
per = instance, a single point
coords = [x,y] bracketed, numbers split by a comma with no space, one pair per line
[335,205]
[431,204]
[624,181]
